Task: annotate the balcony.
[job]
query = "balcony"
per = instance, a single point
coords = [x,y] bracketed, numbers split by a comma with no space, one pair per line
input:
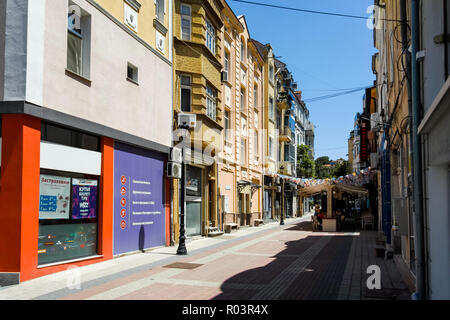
[283,101]
[285,135]
[285,167]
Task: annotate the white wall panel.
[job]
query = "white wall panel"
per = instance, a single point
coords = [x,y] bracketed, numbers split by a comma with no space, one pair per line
[64,158]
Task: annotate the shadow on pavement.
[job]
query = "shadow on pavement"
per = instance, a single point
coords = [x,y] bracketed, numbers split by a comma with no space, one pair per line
[320,279]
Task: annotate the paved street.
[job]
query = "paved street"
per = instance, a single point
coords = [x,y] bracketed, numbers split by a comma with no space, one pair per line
[270,262]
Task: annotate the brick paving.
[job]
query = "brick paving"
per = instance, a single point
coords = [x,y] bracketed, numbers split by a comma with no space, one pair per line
[287,262]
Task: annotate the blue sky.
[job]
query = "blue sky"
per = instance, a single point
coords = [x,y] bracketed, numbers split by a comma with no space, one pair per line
[323,53]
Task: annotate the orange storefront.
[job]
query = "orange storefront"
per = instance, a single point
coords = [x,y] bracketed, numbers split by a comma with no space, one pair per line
[21,175]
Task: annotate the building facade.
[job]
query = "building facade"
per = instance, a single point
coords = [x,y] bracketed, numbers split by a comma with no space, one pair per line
[198,92]
[241,173]
[75,111]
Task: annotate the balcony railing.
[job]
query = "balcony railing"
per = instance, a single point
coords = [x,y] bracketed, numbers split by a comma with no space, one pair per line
[286,135]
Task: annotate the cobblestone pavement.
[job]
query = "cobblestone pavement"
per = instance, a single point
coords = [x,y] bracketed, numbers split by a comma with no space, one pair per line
[272,262]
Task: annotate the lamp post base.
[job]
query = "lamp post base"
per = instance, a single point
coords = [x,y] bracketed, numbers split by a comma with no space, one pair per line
[182,251]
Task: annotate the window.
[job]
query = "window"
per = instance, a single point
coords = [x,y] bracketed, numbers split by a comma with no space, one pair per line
[132,73]
[242,100]
[67,216]
[226,66]
[242,50]
[186,93]
[243,151]
[271,147]
[271,110]
[160,9]
[78,41]
[227,124]
[271,73]
[255,96]
[69,137]
[210,37]
[256,119]
[211,104]
[186,18]
[255,144]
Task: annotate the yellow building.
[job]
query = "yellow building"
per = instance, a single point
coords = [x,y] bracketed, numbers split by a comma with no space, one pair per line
[149,20]
[197,54]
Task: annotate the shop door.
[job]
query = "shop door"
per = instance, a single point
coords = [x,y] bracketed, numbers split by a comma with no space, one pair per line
[193,201]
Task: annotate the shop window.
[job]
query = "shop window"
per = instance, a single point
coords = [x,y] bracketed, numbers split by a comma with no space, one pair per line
[69,137]
[193,181]
[68,210]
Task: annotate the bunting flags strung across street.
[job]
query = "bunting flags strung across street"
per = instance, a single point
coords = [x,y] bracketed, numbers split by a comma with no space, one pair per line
[357,180]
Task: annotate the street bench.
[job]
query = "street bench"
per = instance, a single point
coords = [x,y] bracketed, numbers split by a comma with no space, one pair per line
[231,227]
[258,222]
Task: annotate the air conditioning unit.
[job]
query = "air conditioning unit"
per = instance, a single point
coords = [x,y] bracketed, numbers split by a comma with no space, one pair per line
[176,155]
[189,120]
[174,170]
[224,76]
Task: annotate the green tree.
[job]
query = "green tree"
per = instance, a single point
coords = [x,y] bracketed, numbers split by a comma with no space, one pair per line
[341,168]
[322,167]
[305,162]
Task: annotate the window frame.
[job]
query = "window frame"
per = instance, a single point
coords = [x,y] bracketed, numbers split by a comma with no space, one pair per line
[84,35]
[255,96]
[242,102]
[211,102]
[185,87]
[157,10]
[243,50]
[210,36]
[271,109]
[226,65]
[188,18]
[227,123]
[243,153]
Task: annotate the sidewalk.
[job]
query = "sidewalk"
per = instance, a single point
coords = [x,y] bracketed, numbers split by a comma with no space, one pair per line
[267,262]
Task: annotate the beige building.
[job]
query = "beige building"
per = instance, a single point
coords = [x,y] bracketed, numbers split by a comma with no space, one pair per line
[241,170]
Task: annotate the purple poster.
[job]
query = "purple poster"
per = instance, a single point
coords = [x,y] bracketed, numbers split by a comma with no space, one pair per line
[84,198]
[139,216]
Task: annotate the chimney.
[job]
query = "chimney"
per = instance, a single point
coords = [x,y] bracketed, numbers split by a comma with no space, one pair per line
[299,95]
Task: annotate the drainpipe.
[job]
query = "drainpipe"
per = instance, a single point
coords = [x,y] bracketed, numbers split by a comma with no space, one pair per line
[420,293]
[445,40]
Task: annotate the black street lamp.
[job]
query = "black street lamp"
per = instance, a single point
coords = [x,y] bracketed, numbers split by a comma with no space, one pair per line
[182,243]
[282,199]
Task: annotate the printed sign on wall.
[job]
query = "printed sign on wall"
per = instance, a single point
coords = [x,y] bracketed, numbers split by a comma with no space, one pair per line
[54,197]
[139,217]
[84,198]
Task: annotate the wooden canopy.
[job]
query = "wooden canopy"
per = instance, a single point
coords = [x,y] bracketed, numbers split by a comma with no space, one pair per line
[329,188]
